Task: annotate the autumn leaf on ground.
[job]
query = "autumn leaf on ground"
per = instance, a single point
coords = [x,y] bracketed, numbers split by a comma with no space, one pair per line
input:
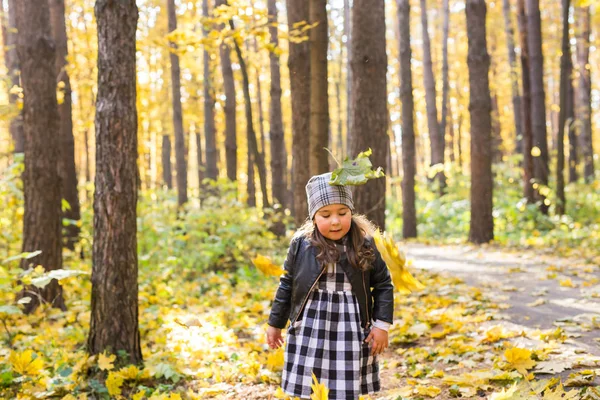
[559,394]
[114,381]
[519,359]
[26,363]
[355,172]
[396,263]
[266,266]
[106,362]
[319,390]
[505,394]
[581,378]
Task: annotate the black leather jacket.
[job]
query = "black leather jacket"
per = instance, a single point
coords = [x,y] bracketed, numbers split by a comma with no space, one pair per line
[373,288]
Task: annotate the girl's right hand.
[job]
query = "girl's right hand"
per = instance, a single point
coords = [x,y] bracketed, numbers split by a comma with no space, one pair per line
[274,338]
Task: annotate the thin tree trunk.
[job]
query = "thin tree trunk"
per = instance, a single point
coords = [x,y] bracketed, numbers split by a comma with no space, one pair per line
[209,111]
[445,79]
[252,143]
[180,153]
[451,154]
[478,60]
[435,136]
[261,117]
[319,103]
[496,129]
[66,160]
[299,67]
[584,106]
[526,105]
[369,101]
[278,161]
[538,105]
[409,164]
[201,166]
[11,60]
[251,187]
[41,181]
[572,131]
[166,161]
[339,143]
[114,310]
[348,34]
[566,68]
[514,76]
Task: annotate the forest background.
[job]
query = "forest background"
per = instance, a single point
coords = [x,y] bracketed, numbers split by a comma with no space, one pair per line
[216,114]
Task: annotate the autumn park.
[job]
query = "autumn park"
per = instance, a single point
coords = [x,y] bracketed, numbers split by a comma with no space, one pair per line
[285,199]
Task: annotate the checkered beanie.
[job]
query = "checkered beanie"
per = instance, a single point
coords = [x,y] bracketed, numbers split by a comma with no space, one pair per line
[320,194]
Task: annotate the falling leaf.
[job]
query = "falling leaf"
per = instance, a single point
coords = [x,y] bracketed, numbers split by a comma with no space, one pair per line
[275,360]
[519,359]
[396,263]
[319,390]
[536,152]
[106,362]
[26,363]
[355,172]
[266,266]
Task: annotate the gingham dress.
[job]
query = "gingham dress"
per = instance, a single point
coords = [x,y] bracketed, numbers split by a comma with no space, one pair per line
[329,341]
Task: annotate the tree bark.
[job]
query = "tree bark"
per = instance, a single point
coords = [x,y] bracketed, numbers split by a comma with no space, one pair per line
[259,104]
[114,309]
[66,160]
[538,105]
[445,79]
[514,76]
[278,162]
[584,105]
[526,106]
[478,60]
[435,136]
[201,166]
[496,129]
[209,111]
[348,35]
[369,101]
[11,60]
[299,67]
[409,164]
[166,161]
[41,181]
[180,151]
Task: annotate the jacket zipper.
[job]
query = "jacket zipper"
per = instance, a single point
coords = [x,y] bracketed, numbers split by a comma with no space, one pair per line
[308,294]
[366,302]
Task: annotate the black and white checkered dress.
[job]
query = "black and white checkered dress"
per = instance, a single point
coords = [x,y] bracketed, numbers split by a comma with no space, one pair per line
[329,341]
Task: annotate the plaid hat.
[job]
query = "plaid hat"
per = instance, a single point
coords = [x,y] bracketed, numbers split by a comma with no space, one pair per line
[320,194]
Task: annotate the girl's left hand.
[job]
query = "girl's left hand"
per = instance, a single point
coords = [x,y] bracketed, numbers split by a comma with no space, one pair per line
[378,339]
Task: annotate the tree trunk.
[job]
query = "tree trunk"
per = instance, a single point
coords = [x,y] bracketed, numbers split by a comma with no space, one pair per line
[319,102]
[201,166]
[514,76]
[11,60]
[526,105]
[66,160]
[166,161]
[250,184]
[572,131]
[114,309]
[409,164]
[299,67]
[496,129]
[180,152]
[584,105]
[278,161]
[478,60]
[259,103]
[209,111]
[369,101]
[538,106]
[348,34]
[251,135]
[445,79]
[451,151]
[566,68]
[41,181]
[435,136]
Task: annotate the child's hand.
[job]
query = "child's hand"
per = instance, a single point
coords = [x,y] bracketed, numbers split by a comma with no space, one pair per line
[379,340]
[274,339]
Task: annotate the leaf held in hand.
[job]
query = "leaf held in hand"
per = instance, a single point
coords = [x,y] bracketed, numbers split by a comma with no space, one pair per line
[266,266]
[396,263]
[319,390]
[356,172]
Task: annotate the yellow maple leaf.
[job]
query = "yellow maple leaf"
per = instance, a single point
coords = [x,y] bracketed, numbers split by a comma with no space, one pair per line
[114,381]
[396,263]
[266,266]
[26,363]
[130,372]
[319,390]
[559,394]
[139,395]
[106,362]
[429,391]
[275,360]
[504,394]
[519,359]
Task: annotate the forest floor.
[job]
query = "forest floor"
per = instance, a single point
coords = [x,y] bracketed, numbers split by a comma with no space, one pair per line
[537,298]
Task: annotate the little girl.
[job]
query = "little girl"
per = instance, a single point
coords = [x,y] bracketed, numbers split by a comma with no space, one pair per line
[337,294]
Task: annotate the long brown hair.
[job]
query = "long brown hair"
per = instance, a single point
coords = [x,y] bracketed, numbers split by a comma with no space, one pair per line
[360,252]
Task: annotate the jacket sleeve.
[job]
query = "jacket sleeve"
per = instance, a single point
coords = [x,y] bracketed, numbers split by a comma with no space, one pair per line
[282,304]
[382,290]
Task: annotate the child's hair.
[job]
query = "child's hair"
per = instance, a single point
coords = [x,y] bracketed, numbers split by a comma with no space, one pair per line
[360,253]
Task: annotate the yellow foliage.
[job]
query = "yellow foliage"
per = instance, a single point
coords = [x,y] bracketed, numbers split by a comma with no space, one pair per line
[275,360]
[26,363]
[130,372]
[504,394]
[114,381]
[519,359]
[396,263]
[266,266]
[319,390]
[429,391]
[106,362]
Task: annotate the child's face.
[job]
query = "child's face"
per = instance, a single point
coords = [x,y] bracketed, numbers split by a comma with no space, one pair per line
[333,221]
